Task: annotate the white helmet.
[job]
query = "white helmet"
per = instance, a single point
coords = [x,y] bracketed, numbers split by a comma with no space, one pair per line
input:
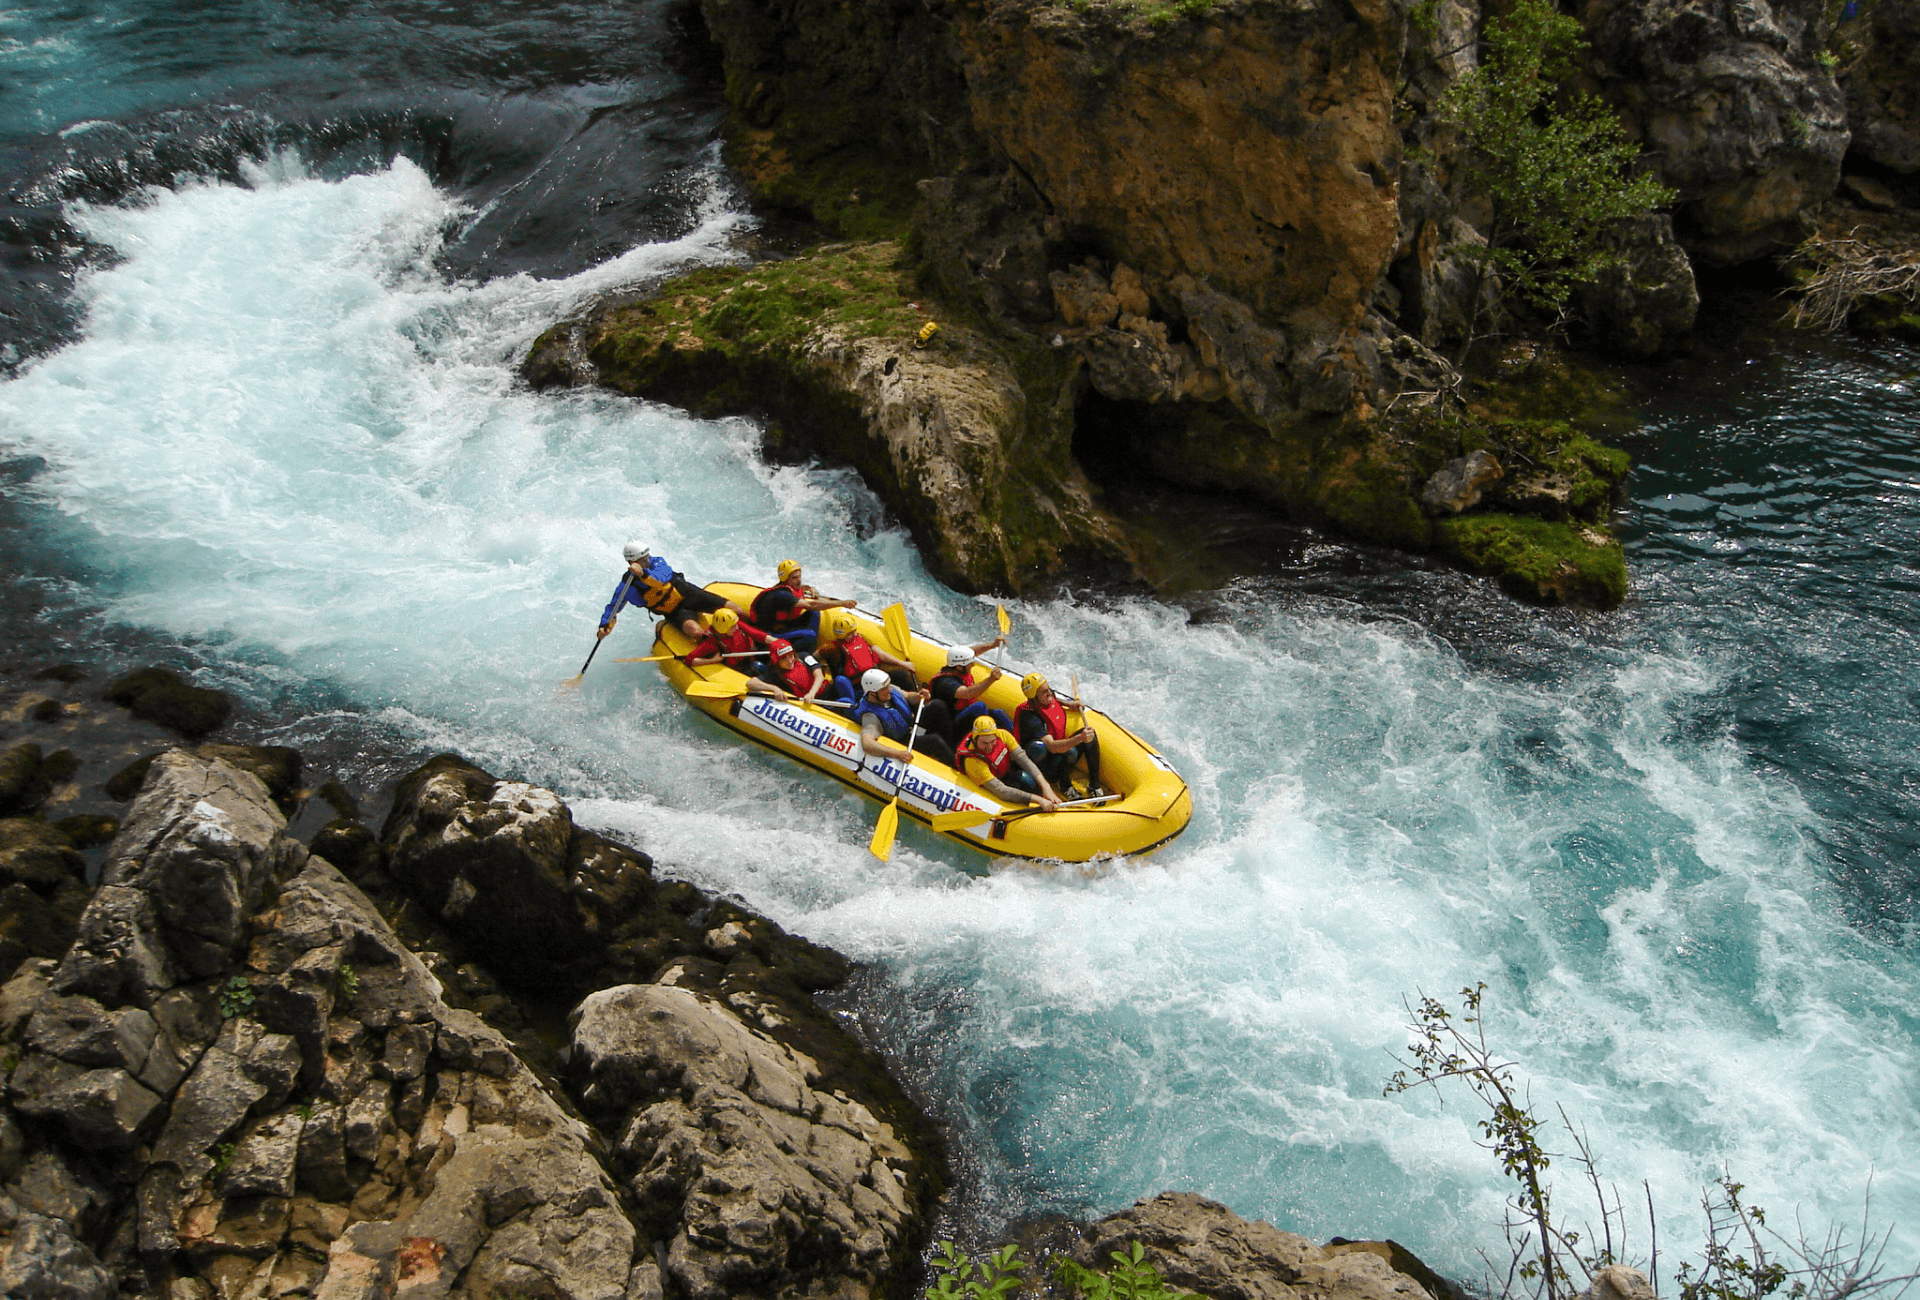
[959,657]
[636,550]
[873,679]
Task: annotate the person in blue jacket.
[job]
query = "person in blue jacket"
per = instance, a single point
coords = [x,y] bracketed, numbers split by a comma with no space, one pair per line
[651,583]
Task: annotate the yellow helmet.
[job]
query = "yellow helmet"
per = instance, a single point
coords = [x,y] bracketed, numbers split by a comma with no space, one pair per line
[723,621]
[838,624]
[1032,684]
[985,725]
[786,569]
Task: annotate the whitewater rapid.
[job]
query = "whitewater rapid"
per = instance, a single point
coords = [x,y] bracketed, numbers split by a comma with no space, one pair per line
[287,439]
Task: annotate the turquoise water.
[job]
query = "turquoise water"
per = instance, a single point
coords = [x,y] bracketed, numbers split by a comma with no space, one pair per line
[279,429]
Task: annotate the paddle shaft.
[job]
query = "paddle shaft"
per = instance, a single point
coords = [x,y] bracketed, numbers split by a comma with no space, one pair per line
[619,595]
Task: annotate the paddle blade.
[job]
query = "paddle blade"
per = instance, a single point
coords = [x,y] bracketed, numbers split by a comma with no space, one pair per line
[895,618]
[961,819]
[572,683]
[1006,624]
[881,846]
[646,659]
[714,691]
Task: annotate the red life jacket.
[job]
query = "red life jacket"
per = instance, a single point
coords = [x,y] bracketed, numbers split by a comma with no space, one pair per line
[859,656]
[997,755]
[1055,717]
[711,645]
[778,620]
[798,679]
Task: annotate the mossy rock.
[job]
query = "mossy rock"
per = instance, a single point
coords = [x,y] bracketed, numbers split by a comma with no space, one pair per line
[1542,561]
[36,854]
[163,697]
[24,784]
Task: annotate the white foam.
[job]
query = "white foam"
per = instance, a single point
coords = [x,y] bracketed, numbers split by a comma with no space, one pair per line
[284,433]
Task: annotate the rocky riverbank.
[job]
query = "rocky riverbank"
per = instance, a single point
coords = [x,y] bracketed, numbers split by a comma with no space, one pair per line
[1217,244]
[240,1065]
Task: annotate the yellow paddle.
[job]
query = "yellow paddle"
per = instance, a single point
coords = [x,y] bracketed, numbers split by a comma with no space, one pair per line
[894,617]
[881,845]
[724,691]
[953,821]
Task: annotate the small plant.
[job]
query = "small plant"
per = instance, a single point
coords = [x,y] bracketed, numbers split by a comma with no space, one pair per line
[304,1110]
[1130,1278]
[1830,61]
[959,1276]
[347,981]
[1799,130]
[222,1157]
[236,998]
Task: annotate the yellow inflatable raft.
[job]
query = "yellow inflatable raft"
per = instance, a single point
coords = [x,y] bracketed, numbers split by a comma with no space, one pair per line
[1153,808]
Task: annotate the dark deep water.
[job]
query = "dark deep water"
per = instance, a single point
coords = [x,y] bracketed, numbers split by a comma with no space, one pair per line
[267,268]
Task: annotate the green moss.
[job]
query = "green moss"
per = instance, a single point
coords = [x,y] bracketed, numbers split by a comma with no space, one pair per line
[812,154]
[1366,492]
[1539,560]
[735,311]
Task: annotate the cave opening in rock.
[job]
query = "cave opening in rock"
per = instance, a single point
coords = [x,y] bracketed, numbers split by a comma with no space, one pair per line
[1113,439]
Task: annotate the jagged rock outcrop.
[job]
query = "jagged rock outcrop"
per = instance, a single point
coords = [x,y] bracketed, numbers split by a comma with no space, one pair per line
[758,1178]
[1735,108]
[1201,1246]
[739,989]
[1644,304]
[1882,81]
[313,1117]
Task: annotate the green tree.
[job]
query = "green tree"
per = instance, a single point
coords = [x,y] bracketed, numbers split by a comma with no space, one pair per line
[1554,164]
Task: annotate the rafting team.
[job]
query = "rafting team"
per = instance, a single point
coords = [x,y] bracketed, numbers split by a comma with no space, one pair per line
[795,644]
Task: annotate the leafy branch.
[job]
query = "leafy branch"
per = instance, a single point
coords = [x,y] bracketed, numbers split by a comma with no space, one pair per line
[1555,165]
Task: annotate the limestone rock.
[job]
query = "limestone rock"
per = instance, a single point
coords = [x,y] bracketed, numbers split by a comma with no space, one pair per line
[1735,109]
[41,1260]
[493,858]
[194,859]
[754,1177]
[1644,305]
[1200,1245]
[99,1109]
[1255,150]
[1883,103]
[1459,484]
[1618,1282]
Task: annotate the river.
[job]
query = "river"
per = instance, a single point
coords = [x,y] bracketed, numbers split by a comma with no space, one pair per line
[269,267]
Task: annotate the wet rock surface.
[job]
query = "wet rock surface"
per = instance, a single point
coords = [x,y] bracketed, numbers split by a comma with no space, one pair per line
[239,1079]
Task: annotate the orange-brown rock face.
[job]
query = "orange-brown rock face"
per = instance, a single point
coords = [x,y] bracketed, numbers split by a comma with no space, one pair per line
[1253,148]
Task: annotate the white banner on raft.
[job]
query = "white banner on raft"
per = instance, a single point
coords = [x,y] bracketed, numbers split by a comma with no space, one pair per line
[839,745]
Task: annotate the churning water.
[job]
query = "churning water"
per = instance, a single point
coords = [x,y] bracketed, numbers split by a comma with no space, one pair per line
[274,419]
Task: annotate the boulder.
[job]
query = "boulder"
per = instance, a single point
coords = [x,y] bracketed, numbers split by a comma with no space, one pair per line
[1643,305]
[163,697]
[197,855]
[1201,1246]
[492,859]
[100,1109]
[755,1177]
[41,1260]
[1618,1282]
[23,785]
[1459,484]
[1735,110]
